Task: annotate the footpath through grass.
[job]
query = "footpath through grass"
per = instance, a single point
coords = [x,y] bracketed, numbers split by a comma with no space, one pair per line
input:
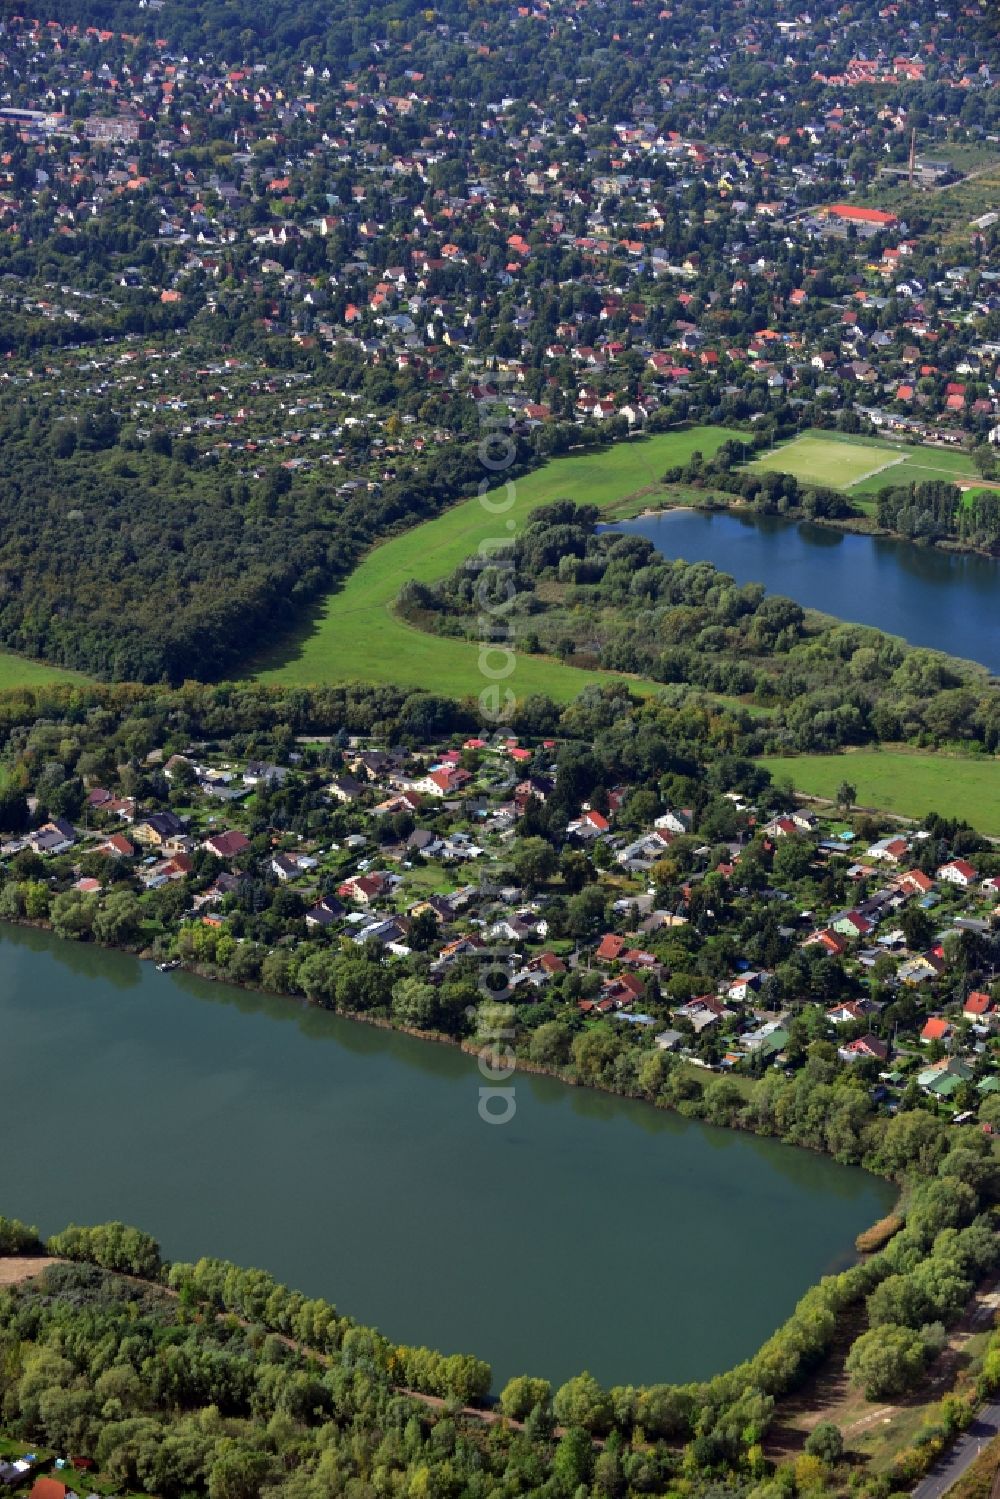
[909,783]
[357,636]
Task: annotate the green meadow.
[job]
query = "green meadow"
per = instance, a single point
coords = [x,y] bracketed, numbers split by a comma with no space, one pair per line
[22,671]
[908,783]
[357,635]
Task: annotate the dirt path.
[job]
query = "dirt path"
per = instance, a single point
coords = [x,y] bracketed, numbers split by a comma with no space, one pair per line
[830,1397]
[17,1267]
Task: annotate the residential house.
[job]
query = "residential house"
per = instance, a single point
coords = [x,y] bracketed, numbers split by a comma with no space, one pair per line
[864,1048]
[227,845]
[365,888]
[54,837]
[158,828]
[325,912]
[937,1028]
[702,1011]
[979,1008]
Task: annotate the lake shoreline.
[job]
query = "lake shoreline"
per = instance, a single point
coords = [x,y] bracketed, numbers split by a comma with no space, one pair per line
[936,598]
[851,525]
[466,1045]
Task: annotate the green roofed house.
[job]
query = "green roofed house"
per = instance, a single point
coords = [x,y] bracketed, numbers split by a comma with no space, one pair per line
[945,1076]
[943,1086]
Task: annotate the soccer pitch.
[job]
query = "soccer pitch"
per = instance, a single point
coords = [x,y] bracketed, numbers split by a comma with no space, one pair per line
[827,461]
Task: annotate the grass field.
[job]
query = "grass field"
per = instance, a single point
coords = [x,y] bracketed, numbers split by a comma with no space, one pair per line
[356,636]
[863,466]
[910,784]
[21,671]
[824,460]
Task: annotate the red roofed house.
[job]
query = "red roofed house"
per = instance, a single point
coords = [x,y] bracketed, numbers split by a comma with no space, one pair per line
[936,1029]
[227,845]
[915,882]
[445,781]
[48,1488]
[957,872]
[846,1013]
[834,945]
[978,1006]
[364,888]
[610,948]
[596,820]
[117,844]
[621,993]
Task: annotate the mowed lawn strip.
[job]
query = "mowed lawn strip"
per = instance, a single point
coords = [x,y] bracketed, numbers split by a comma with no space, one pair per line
[910,784]
[357,635]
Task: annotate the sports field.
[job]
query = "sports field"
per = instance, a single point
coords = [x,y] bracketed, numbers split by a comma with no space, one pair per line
[357,636]
[919,465]
[910,784]
[824,460]
[862,465]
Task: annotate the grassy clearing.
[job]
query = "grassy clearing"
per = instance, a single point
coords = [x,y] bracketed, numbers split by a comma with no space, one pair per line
[910,783]
[21,671]
[356,635]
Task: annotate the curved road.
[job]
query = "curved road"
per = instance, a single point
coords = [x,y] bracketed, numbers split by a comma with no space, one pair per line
[961,1455]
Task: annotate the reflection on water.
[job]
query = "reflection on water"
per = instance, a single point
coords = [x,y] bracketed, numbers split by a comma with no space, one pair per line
[944,600]
[359,1169]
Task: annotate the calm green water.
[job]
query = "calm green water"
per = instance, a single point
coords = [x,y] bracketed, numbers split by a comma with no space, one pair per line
[351,1162]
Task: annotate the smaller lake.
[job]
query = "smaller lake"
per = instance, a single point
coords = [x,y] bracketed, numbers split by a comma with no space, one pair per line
[945,600]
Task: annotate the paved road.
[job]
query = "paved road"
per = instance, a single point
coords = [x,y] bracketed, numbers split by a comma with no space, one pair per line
[961,1455]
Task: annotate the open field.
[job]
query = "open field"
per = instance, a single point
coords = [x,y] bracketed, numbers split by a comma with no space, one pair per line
[919,465]
[824,460]
[862,465]
[21,671]
[356,635]
[910,784]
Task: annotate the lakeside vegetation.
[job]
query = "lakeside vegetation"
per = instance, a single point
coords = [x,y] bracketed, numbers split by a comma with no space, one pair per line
[612,600]
[606,750]
[206,1378]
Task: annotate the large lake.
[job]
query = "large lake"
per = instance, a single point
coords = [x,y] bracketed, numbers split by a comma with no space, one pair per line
[351,1162]
[947,600]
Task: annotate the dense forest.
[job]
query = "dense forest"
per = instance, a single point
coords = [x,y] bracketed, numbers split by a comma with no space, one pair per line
[125,561]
